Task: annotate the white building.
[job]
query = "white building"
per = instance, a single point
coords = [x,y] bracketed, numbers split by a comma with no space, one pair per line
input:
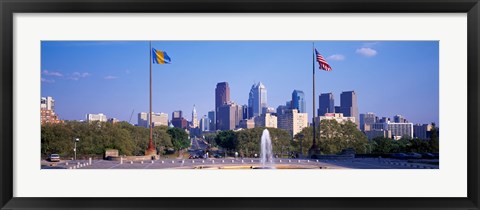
[334,116]
[292,121]
[398,130]
[158,119]
[47,103]
[266,120]
[96,117]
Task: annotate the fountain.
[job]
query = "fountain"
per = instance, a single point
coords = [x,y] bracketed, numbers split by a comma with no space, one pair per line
[266,153]
[266,160]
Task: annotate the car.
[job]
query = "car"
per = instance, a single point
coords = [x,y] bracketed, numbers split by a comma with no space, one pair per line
[217,155]
[54,158]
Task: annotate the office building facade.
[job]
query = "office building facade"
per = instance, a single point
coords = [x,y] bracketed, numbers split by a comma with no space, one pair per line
[298,101]
[257,99]
[326,104]
[292,121]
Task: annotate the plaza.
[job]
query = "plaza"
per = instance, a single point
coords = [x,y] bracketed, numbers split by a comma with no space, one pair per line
[247,163]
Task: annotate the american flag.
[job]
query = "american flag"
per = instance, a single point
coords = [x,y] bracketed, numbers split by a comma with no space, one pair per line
[322,63]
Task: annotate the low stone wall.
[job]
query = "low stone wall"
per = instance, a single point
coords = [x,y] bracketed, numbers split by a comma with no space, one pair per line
[132,158]
[334,157]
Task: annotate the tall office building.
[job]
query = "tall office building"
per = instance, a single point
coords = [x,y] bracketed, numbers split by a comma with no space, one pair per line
[211,117]
[204,123]
[281,109]
[229,116]
[194,122]
[288,104]
[47,111]
[326,104]
[400,130]
[178,121]
[366,120]
[292,121]
[245,112]
[222,96]
[257,99]
[298,101]
[399,119]
[348,104]
[337,109]
[421,130]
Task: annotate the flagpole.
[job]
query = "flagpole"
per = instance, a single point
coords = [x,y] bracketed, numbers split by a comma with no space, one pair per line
[313,70]
[313,149]
[151,149]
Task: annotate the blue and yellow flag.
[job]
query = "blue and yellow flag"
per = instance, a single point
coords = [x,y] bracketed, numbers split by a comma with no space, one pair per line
[160,57]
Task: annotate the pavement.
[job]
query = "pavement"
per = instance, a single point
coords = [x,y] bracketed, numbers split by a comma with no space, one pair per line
[211,163]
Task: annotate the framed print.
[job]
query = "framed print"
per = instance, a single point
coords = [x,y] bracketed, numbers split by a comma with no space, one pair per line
[239,105]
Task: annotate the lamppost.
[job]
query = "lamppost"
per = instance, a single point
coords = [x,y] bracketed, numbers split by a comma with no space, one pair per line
[75,149]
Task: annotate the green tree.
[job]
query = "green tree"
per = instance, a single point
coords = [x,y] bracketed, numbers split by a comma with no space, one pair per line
[226,139]
[333,138]
[249,141]
[179,138]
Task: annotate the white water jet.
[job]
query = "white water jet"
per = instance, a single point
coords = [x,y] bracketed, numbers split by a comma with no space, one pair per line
[266,153]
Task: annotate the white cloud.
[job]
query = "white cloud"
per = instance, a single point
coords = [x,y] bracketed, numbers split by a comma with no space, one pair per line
[366,51]
[79,75]
[110,77]
[336,57]
[52,73]
[47,80]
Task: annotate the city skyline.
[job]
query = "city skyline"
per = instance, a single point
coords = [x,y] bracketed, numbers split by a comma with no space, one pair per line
[113,77]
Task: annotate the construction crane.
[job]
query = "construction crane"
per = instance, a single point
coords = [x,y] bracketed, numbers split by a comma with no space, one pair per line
[131,116]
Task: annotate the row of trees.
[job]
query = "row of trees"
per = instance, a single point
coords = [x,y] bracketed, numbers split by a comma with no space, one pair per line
[247,142]
[332,137]
[95,137]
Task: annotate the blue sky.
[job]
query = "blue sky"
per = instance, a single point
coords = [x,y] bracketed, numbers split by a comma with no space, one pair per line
[389,77]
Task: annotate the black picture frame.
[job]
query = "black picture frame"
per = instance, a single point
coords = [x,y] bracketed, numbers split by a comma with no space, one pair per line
[10,7]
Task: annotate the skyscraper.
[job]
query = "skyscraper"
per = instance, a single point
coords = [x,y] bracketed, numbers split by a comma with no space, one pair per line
[399,119]
[178,121]
[204,123]
[194,123]
[366,120]
[222,96]
[229,116]
[298,101]
[348,104]
[326,104]
[257,99]
[211,117]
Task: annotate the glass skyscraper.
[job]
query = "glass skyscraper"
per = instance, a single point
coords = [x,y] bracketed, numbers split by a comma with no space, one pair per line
[298,101]
[257,100]
[348,104]
[326,104]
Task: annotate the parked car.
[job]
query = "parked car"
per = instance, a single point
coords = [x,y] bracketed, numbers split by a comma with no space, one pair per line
[54,158]
[217,155]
